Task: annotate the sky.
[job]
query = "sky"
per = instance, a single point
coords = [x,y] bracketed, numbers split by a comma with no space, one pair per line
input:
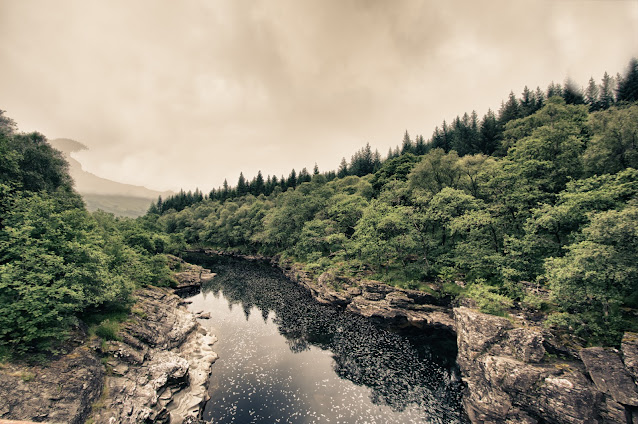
[182,94]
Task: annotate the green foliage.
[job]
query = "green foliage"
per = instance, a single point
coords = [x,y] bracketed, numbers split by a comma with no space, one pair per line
[59,263]
[107,330]
[488,299]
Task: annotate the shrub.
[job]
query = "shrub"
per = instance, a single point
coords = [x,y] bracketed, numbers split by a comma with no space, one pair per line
[489,300]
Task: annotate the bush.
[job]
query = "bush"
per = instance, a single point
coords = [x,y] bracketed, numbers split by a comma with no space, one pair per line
[108,330]
[489,300]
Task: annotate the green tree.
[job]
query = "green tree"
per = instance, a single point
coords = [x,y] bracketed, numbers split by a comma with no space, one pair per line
[614,145]
[436,171]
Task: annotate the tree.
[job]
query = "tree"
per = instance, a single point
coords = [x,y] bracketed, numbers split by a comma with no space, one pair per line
[258,186]
[510,110]
[343,168]
[548,145]
[614,145]
[436,171]
[292,181]
[598,274]
[628,85]
[407,145]
[7,125]
[242,187]
[490,133]
[573,94]
[421,147]
[592,95]
[607,97]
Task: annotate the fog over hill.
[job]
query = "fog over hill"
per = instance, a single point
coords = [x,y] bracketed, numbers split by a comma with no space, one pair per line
[101,193]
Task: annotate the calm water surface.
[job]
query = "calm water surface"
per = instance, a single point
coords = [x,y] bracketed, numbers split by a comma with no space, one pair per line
[286,359]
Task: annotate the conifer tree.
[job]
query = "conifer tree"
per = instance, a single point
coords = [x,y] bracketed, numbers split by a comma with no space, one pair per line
[292,179]
[591,95]
[343,168]
[225,192]
[241,185]
[510,110]
[554,90]
[572,94]
[421,147]
[258,187]
[606,92]
[628,85]
[406,146]
[539,99]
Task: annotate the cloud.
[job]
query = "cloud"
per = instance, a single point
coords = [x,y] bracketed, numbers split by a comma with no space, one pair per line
[184,94]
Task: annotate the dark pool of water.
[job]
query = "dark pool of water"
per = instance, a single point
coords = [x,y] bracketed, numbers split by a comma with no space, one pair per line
[286,359]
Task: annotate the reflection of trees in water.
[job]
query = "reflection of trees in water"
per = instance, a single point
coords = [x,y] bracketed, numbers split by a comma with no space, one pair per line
[400,370]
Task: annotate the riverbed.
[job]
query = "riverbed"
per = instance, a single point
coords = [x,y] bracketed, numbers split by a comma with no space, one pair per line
[284,358]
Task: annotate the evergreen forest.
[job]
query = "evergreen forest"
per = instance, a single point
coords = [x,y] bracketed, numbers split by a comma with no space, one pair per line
[533,207]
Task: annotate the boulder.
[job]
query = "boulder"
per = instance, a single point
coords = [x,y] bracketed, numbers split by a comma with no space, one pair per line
[610,375]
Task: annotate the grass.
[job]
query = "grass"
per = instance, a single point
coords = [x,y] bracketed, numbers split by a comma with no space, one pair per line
[107,330]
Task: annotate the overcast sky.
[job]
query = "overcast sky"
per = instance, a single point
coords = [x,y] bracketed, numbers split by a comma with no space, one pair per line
[172,94]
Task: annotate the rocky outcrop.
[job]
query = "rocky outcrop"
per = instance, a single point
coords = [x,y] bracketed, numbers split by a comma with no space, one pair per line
[60,392]
[374,300]
[189,277]
[158,371]
[379,302]
[510,377]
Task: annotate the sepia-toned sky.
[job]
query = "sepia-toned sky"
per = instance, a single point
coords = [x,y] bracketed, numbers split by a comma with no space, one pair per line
[172,94]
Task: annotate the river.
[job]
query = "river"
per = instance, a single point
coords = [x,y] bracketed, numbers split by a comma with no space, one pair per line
[284,358]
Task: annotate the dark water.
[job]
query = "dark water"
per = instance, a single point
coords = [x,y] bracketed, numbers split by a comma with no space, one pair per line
[286,359]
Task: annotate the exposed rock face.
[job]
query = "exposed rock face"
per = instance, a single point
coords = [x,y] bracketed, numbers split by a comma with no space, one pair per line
[189,277]
[60,392]
[511,380]
[374,300]
[159,369]
[157,372]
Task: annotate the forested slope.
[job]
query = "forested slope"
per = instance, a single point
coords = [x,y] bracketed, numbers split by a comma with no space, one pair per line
[58,262]
[535,207]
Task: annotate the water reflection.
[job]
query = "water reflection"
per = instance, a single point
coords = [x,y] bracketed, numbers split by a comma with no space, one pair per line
[384,376]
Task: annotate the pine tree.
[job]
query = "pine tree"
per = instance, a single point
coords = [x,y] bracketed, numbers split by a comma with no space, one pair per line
[242,188]
[292,179]
[420,147]
[606,92]
[225,191]
[528,102]
[315,170]
[628,85]
[304,177]
[573,94]
[406,146]
[490,133]
[257,186]
[591,95]
[376,161]
[510,110]
[343,168]
[554,90]
[539,99]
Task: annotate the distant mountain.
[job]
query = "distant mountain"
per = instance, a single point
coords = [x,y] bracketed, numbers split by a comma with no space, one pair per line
[101,193]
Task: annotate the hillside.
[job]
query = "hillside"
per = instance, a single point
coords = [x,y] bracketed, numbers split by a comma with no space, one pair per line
[101,193]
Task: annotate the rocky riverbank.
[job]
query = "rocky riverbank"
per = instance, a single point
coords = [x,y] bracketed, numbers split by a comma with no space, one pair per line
[156,371]
[519,373]
[379,302]
[515,371]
